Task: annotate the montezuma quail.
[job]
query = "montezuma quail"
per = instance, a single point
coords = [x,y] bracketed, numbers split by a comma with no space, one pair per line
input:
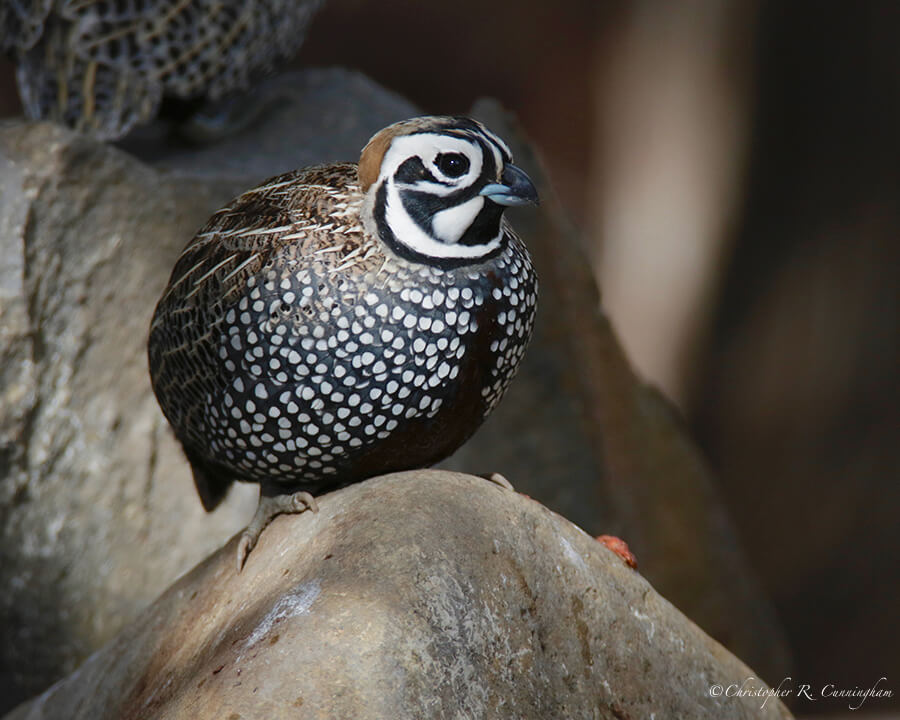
[345,321]
[102,67]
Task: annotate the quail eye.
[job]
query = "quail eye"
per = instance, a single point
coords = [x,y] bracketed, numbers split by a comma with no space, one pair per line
[452,165]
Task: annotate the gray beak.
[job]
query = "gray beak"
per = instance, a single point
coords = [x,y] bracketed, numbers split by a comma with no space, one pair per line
[516,188]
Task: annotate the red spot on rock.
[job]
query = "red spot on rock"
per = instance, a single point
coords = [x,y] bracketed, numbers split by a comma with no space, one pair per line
[620,548]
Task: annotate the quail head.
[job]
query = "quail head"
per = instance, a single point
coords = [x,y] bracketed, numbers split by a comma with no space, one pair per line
[102,67]
[344,321]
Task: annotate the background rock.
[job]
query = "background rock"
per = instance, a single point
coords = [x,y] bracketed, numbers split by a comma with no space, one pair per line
[306,117]
[94,513]
[98,510]
[421,594]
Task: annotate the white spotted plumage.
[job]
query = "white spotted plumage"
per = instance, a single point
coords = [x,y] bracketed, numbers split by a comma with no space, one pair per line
[298,348]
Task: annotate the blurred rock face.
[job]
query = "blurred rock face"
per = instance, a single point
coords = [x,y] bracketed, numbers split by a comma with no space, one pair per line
[800,402]
[415,595]
[98,511]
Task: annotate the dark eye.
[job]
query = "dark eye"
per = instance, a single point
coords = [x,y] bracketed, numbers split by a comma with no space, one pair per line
[452,164]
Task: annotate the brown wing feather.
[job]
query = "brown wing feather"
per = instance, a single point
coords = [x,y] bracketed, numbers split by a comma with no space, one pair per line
[240,238]
[288,214]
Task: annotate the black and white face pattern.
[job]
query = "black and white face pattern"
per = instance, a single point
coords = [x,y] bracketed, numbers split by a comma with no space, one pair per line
[430,202]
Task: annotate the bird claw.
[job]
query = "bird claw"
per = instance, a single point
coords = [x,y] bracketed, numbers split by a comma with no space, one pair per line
[270,506]
[245,545]
[499,479]
[303,501]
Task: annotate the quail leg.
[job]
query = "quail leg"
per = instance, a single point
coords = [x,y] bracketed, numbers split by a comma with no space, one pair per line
[269,507]
[499,479]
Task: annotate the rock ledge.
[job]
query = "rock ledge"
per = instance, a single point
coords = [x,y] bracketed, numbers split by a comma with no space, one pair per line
[419,594]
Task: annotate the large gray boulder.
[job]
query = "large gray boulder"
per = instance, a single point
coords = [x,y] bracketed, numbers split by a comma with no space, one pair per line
[98,513]
[424,594]
[94,514]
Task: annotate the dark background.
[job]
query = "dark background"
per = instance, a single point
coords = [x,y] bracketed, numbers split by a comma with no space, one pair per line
[748,153]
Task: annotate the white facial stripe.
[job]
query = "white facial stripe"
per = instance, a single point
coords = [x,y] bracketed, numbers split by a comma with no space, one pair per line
[427,187]
[498,141]
[449,225]
[498,158]
[428,146]
[407,232]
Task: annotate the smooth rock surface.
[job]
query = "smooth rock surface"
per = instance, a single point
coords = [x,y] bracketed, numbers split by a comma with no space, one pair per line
[97,509]
[415,595]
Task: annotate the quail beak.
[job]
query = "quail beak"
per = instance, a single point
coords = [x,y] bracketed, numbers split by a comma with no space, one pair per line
[516,188]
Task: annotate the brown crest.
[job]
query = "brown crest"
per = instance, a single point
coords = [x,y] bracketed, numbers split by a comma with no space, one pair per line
[373,152]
